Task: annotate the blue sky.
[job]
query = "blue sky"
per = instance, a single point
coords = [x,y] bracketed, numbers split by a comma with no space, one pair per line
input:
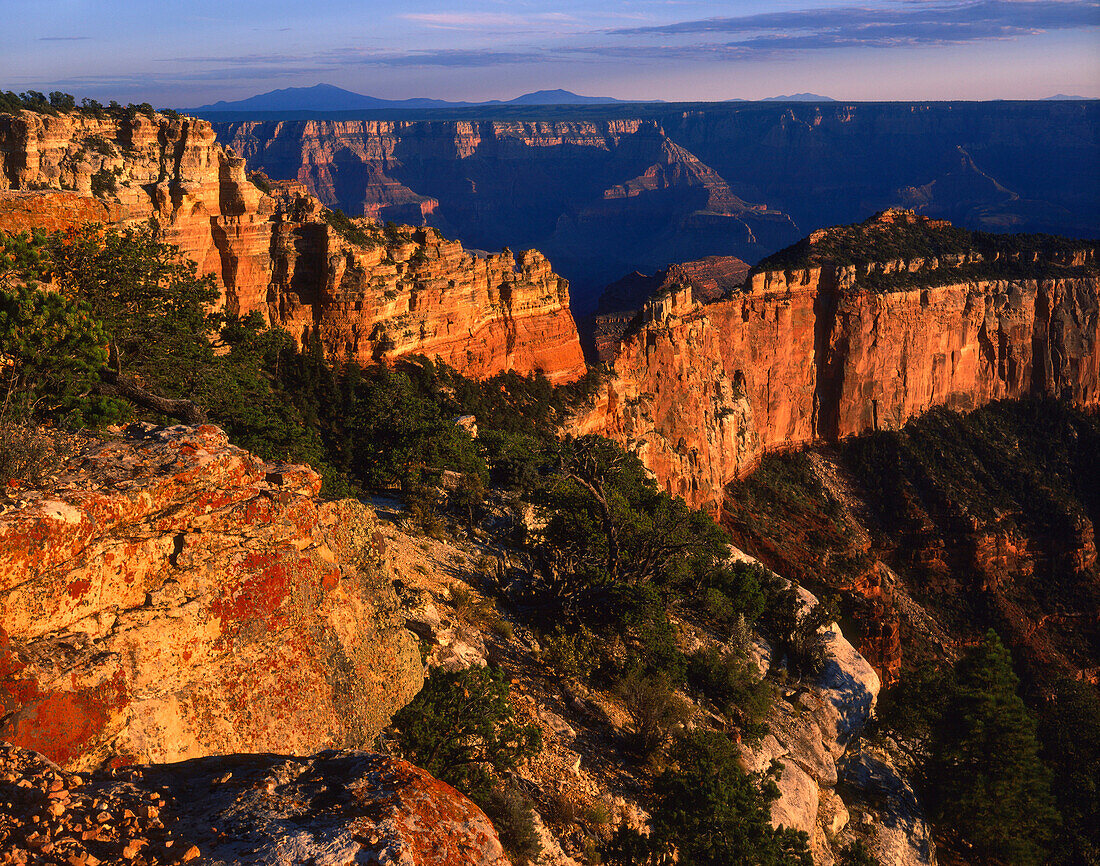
[189,52]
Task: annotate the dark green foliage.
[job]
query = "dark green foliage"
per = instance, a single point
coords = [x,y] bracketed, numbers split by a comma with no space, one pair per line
[1006,256]
[63,102]
[989,781]
[402,434]
[344,226]
[1070,732]
[655,709]
[53,348]
[714,814]
[730,681]
[796,631]
[856,854]
[461,729]
[513,817]
[104,181]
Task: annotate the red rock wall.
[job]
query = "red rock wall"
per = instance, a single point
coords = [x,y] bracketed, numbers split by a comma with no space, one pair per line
[482,315]
[808,356]
[171,596]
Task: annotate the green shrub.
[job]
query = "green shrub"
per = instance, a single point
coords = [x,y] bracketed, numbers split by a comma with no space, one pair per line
[989,781]
[513,817]
[711,813]
[654,707]
[730,680]
[461,728]
[573,654]
[25,455]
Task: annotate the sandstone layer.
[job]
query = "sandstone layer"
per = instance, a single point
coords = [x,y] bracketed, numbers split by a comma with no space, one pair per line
[701,391]
[330,809]
[171,596]
[399,293]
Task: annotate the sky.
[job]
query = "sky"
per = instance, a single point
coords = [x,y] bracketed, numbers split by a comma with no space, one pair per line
[185,53]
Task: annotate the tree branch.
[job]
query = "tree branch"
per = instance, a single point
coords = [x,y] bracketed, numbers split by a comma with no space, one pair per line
[114,384]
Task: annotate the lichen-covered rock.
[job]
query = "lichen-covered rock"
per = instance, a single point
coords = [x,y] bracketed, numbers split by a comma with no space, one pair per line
[336,808]
[172,596]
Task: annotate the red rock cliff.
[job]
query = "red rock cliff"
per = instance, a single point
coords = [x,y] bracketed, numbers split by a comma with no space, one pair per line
[401,294]
[817,354]
[171,596]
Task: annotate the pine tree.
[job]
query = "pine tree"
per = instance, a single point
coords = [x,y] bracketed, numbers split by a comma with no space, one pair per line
[991,784]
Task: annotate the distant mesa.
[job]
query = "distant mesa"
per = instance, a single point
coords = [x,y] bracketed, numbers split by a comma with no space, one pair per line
[799,97]
[327,97]
[1064,97]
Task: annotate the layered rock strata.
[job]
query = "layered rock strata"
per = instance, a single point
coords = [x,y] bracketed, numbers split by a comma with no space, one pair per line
[396,294]
[335,808]
[599,197]
[701,391]
[171,596]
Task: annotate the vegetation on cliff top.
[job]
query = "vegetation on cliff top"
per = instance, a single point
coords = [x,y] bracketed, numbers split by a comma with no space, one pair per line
[901,235]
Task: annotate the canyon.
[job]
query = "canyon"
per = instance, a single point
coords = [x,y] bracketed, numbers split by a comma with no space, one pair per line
[607,190]
[276,255]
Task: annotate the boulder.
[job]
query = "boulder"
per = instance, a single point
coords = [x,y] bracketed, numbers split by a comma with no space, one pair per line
[336,808]
[172,596]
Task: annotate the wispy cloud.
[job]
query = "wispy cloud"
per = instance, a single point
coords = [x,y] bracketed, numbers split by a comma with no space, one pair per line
[907,23]
[63,38]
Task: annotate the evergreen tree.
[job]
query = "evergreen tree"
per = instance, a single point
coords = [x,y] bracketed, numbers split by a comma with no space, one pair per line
[990,782]
[1070,731]
[712,813]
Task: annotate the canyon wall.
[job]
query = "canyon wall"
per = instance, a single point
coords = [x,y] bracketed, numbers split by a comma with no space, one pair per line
[607,190]
[701,391]
[601,198]
[368,294]
[167,595]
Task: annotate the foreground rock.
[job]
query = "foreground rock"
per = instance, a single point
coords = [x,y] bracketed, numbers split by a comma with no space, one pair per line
[171,596]
[331,809]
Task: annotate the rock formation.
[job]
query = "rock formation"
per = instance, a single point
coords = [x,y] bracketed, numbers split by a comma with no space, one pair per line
[821,352]
[170,596]
[399,293]
[708,278]
[334,808]
[600,198]
[604,191]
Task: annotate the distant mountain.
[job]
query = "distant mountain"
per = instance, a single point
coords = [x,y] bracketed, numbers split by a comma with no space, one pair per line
[1061,97]
[320,97]
[558,97]
[798,97]
[326,97]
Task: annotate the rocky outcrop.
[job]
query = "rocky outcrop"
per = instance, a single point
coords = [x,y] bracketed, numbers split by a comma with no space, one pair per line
[410,291]
[394,294]
[814,738]
[822,352]
[131,168]
[171,596]
[334,808]
[708,278]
